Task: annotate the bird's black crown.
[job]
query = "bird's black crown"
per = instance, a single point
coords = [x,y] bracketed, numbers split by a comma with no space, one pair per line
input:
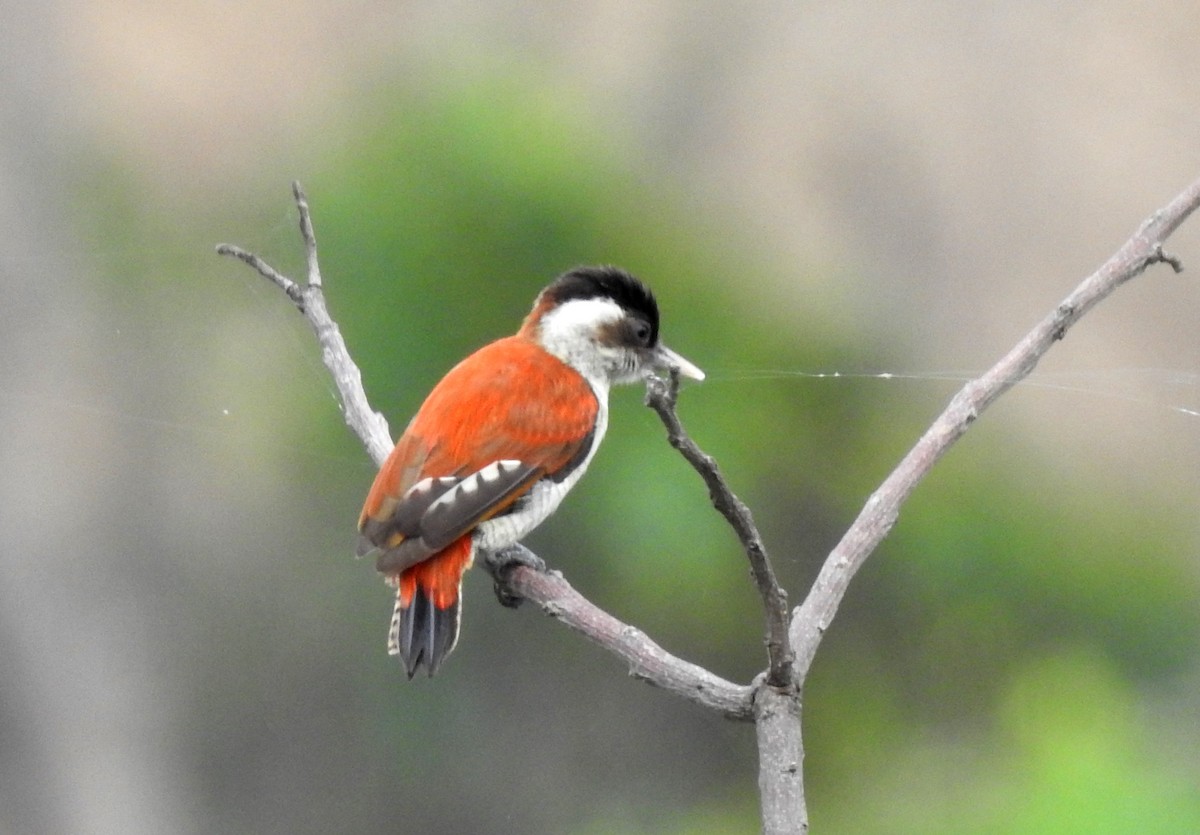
[611,283]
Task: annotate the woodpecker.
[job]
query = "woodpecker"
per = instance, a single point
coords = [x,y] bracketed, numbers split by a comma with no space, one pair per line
[499,442]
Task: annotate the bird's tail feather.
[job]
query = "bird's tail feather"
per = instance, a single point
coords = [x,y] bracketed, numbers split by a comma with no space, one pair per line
[425,620]
[423,634]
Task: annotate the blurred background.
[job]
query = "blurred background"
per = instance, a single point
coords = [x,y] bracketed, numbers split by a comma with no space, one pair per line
[187,644]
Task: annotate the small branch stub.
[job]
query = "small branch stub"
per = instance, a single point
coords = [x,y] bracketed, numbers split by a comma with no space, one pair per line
[1161,256]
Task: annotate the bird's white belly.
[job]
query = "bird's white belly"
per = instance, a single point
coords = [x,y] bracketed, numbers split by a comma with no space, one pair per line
[543,499]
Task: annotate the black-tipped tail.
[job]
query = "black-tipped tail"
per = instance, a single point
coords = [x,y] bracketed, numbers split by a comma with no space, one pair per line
[422,634]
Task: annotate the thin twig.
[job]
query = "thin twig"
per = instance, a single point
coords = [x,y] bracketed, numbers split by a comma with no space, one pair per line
[365,422]
[877,517]
[265,270]
[661,396]
[308,234]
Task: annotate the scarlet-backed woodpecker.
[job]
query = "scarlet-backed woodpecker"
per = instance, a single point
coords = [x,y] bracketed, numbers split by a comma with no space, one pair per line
[499,442]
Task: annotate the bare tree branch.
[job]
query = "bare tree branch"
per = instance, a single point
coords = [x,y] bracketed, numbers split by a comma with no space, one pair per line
[647,660]
[879,514]
[661,397]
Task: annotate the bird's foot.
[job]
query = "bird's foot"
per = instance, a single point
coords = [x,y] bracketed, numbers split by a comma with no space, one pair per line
[499,563]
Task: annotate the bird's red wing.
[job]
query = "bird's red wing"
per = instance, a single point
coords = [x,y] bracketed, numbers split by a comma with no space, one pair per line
[504,417]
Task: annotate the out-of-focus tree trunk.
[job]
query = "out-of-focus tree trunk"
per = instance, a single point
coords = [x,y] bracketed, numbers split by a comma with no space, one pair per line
[82,733]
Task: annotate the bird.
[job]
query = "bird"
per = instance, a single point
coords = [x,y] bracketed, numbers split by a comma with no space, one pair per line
[499,442]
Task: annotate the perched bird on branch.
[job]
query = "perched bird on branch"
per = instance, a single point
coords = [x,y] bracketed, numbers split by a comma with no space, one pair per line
[499,442]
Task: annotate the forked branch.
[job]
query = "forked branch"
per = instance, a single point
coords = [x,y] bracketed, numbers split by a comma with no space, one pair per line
[877,517]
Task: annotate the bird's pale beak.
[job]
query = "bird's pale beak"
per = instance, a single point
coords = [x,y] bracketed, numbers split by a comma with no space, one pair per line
[666,358]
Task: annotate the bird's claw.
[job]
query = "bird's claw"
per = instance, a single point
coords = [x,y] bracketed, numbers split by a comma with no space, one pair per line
[499,563]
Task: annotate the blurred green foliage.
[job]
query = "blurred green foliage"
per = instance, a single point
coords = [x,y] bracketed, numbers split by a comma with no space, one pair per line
[980,678]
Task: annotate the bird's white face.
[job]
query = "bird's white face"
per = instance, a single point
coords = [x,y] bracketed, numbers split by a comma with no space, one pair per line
[606,343]
[584,333]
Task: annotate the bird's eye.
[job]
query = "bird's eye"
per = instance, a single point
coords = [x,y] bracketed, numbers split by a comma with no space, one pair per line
[641,332]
